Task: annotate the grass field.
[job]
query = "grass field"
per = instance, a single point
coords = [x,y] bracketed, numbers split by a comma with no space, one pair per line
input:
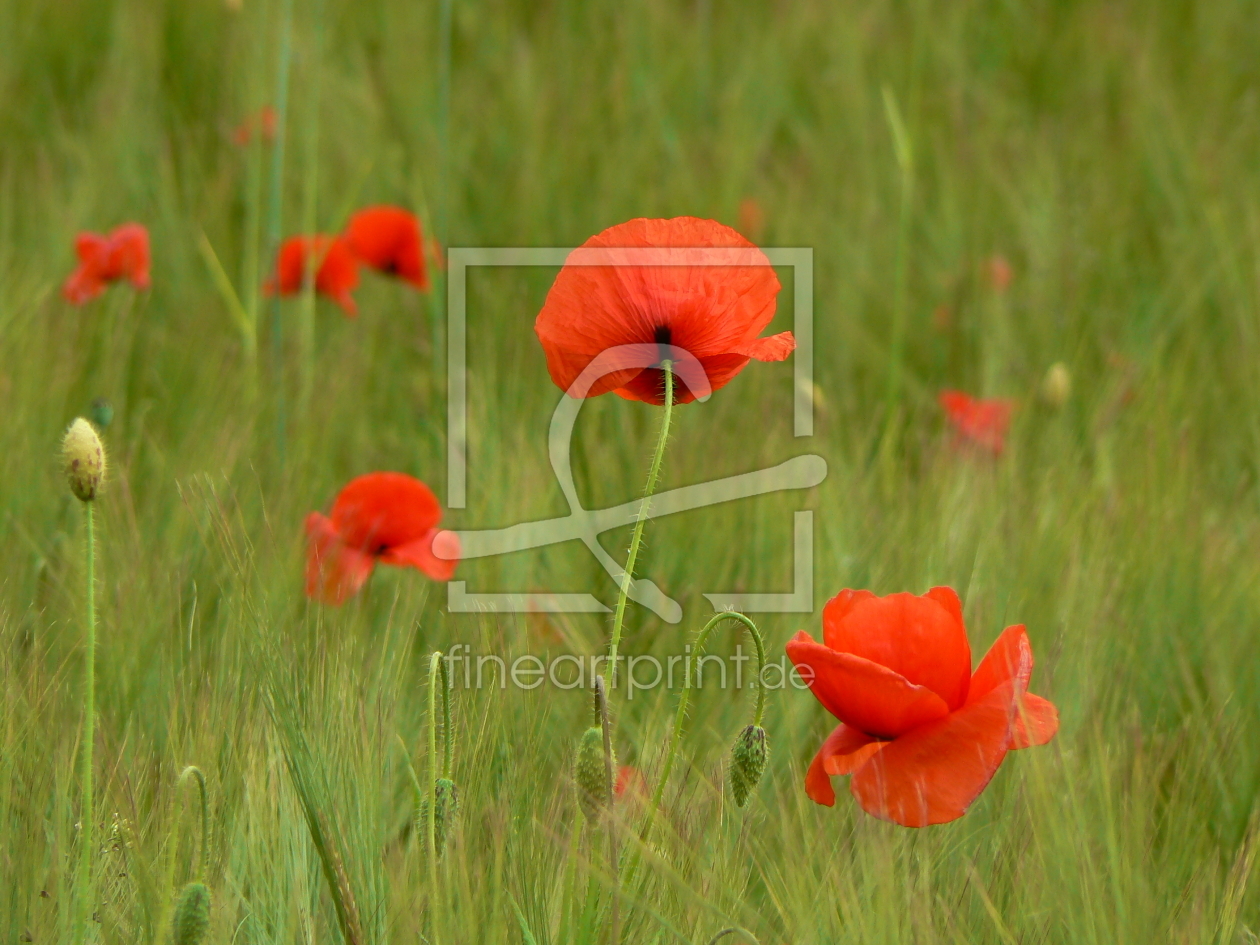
[1106,150]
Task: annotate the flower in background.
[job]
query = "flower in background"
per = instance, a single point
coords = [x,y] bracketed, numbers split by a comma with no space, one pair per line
[921,734]
[437,254]
[123,253]
[977,421]
[382,517]
[388,239]
[752,219]
[714,312]
[336,269]
[1056,386]
[262,122]
[630,783]
[999,272]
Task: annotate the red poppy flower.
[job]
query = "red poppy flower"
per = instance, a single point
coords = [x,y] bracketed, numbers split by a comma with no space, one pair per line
[921,733]
[384,517]
[1000,273]
[121,254]
[630,783]
[263,122]
[714,309]
[336,277]
[388,239]
[981,422]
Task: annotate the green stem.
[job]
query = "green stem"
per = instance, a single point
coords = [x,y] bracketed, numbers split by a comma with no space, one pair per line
[87,816]
[680,716]
[636,539]
[276,203]
[448,733]
[437,671]
[614,857]
[192,771]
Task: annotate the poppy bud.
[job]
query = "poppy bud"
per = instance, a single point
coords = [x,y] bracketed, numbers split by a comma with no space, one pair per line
[192,915]
[446,811]
[1056,387]
[590,773]
[83,457]
[748,761]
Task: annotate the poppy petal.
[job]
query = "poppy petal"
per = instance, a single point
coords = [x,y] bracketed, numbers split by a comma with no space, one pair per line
[933,774]
[1036,722]
[851,750]
[771,348]
[421,554]
[866,695]
[1009,658]
[335,572]
[922,639]
[383,510]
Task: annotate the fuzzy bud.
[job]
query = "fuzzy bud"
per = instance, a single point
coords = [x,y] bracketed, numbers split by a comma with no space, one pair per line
[590,774]
[1056,387]
[748,761]
[83,458]
[192,915]
[447,811]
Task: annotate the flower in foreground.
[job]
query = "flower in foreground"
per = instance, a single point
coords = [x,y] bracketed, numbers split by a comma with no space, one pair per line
[336,269]
[123,253]
[980,422]
[384,517]
[712,309]
[388,239]
[920,733]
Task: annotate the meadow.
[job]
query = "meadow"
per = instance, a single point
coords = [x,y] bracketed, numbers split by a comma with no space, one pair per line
[1104,151]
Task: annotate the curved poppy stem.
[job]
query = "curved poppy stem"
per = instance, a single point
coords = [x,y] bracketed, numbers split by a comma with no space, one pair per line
[680,716]
[192,771]
[636,540]
[734,930]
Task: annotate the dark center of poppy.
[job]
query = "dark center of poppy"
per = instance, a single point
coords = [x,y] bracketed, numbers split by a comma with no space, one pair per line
[661,335]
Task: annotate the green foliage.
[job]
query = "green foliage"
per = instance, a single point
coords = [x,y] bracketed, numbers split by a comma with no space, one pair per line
[1106,150]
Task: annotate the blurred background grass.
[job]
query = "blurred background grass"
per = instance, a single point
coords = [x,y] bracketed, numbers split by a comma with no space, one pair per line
[1105,150]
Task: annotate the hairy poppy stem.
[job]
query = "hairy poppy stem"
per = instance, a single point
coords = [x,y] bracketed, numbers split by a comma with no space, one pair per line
[275,206]
[437,674]
[192,771]
[601,710]
[87,816]
[680,716]
[636,540]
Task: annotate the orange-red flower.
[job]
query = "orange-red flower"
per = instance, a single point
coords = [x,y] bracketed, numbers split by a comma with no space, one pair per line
[713,310]
[981,422]
[921,733]
[384,517]
[630,783]
[121,254]
[388,239]
[336,269]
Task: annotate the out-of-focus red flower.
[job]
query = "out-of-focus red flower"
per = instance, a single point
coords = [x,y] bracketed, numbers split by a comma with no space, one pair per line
[262,122]
[384,517]
[388,239]
[981,422]
[712,310]
[336,269]
[999,272]
[630,782]
[921,733]
[123,253]
[752,219]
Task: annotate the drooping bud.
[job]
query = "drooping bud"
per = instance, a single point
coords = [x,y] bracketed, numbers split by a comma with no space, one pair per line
[1056,387]
[590,774]
[748,761]
[83,458]
[192,915]
[447,810]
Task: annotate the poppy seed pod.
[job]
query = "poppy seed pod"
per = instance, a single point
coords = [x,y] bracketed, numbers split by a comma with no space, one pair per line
[748,761]
[446,811]
[83,457]
[192,915]
[1056,387]
[590,773]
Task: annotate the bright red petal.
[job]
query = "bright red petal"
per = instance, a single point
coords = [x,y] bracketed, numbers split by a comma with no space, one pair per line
[422,554]
[864,694]
[334,571]
[1010,659]
[932,774]
[385,510]
[919,638]
[129,254]
[388,239]
[1036,722]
